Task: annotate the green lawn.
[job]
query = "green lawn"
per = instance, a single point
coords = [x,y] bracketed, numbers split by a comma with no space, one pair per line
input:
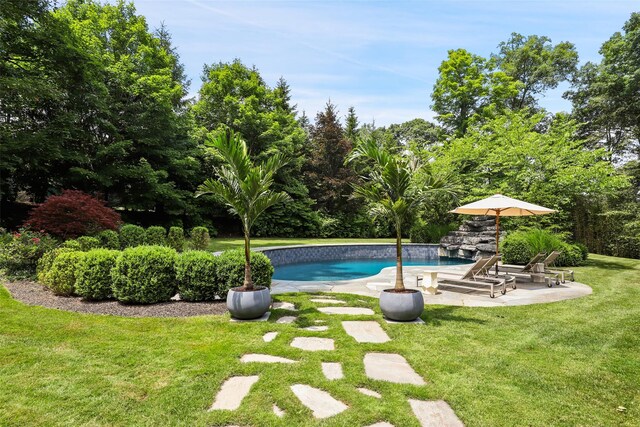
[224,243]
[571,363]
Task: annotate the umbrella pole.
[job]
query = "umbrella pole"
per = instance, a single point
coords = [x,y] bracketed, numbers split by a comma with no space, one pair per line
[497,237]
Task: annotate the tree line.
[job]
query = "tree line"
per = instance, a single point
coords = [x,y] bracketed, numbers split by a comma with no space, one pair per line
[93,99]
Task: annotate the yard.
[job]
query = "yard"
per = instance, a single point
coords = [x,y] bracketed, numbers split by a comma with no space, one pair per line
[570,363]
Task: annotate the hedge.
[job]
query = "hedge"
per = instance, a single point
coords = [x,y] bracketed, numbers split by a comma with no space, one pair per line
[519,247]
[155,235]
[93,276]
[109,239]
[145,275]
[175,238]
[131,236]
[200,238]
[45,263]
[197,276]
[231,270]
[61,277]
[87,243]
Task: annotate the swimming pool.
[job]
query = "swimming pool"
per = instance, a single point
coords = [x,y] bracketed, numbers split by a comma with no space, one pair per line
[349,268]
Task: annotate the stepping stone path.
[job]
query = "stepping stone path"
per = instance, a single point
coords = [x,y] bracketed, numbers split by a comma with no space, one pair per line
[371,393]
[283,305]
[286,319]
[346,310]
[269,336]
[435,413]
[316,328]
[265,358]
[279,412]
[313,343]
[232,392]
[264,318]
[390,367]
[366,331]
[321,403]
[327,301]
[332,370]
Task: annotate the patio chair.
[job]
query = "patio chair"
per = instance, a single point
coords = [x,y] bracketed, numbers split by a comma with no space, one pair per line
[475,278]
[528,272]
[512,268]
[549,261]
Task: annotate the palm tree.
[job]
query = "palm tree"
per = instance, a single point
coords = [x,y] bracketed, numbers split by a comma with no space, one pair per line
[243,187]
[395,185]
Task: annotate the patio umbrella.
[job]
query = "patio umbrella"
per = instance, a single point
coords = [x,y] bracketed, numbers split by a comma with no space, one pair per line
[499,205]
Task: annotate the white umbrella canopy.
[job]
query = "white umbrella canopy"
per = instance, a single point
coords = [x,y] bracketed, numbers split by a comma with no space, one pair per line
[499,205]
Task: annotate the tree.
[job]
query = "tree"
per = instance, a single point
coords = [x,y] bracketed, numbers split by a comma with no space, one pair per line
[605,96]
[417,132]
[537,64]
[244,187]
[328,179]
[351,125]
[236,97]
[395,186]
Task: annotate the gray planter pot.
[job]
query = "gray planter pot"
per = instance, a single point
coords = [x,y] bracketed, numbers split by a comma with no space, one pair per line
[403,307]
[249,304]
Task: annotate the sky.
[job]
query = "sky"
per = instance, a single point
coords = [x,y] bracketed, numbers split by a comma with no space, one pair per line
[380,57]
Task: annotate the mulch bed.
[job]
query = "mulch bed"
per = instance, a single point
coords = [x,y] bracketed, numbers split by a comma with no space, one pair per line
[32,293]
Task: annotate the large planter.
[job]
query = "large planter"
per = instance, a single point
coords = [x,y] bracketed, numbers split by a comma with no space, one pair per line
[402,306]
[248,304]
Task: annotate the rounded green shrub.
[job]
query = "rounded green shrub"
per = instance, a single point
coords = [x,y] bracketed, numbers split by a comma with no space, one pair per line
[200,238]
[175,238]
[131,236]
[571,255]
[108,239]
[155,235]
[45,263]
[72,244]
[144,275]
[93,276]
[61,278]
[231,270]
[516,250]
[87,243]
[519,247]
[196,273]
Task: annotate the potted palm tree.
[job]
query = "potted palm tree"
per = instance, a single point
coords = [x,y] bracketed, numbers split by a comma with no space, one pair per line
[396,185]
[245,188]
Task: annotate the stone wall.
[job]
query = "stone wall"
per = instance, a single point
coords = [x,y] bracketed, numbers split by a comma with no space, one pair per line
[475,238]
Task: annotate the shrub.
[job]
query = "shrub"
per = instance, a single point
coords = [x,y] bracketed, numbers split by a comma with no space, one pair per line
[72,214]
[72,244]
[93,274]
[520,246]
[46,261]
[155,235]
[19,256]
[571,255]
[200,238]
[108,239]
[175,239]
[231,270]
[131,236]
[144,275]
[584,251]
[87,243]
[196,273]
[422,232]
[61,277]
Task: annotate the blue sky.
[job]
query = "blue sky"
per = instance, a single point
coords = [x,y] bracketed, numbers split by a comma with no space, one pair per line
[379,56]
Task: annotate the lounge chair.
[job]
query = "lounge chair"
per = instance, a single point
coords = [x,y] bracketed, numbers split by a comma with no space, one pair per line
[528,272]
[549,261]
[511,268]
[475,277]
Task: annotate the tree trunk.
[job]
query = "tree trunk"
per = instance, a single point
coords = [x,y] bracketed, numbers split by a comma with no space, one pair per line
[248,283]
[399,276]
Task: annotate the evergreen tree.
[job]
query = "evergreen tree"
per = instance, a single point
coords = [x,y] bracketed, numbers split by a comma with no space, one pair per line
[351,125]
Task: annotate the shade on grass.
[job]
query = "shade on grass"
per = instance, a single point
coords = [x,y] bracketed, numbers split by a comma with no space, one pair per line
[567,363]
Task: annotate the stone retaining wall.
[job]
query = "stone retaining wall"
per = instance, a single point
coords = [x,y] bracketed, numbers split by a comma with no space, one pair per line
[475,238]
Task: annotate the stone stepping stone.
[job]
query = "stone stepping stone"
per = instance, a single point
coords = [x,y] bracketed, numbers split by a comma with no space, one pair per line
[332,370]
[381,424]
[263,318]
[286,319]
[354,311]
[232,392]
[279,412]
[313,343]
[264,358]
[316,328]
[371,393]
[327,301]
[283,305]
[435,413]
[418,320]
[321,403]
[269,336]
[366,331]
[390,367]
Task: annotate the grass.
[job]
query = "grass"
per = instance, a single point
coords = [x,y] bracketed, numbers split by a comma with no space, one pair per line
[225,243]
[571,363]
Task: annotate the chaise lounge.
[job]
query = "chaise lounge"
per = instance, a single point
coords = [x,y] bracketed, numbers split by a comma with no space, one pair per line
[476,279]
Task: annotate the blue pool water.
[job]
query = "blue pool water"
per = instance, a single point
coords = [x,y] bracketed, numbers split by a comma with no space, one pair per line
[349,269]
